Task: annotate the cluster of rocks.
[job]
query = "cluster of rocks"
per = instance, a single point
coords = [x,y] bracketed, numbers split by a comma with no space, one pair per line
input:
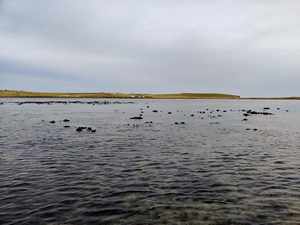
[211,114]
[179,123]
[251,112]
[254,129]
[72,102]
[78,129]
[88,129]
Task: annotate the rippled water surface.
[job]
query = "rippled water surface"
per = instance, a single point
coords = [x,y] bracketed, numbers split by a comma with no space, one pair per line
[213,169]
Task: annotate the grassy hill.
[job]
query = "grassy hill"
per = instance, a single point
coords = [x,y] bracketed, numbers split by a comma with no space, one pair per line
[27,94]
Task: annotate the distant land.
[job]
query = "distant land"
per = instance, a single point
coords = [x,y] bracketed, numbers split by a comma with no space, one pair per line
[29,94]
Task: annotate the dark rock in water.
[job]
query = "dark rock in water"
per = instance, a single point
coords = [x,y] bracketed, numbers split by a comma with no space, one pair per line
[192,115]
[246,114]
[66,120]
[169,112]
[147,106]
[255,129]
[147,122]
[155,111]
[266,113]
[278,108]
[89,129]
[224,111]
[258,113]
[177,123]
[136,118]
[267,108]
[66,126]
[52,121]
[79,129]
[287,110]
[245,119]
[219,115]
[248,129]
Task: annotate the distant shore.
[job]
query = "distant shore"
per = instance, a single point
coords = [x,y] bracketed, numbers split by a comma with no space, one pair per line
[28,94]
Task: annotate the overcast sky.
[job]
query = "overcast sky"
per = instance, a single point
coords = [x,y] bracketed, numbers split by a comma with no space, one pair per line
[245,47]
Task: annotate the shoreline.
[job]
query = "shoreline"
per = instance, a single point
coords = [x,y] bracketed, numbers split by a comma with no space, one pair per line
[108,95]
[115,95]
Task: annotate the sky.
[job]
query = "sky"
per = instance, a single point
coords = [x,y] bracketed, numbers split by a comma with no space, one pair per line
[244,47]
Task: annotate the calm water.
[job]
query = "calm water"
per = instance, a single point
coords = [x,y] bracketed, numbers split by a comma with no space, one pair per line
[211,170]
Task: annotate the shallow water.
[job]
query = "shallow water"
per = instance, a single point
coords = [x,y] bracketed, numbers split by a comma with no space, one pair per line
[210,170]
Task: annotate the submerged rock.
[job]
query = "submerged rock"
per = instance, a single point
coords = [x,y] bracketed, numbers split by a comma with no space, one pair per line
[258,113]
[66,120]
[79,129]
[136,118]
[177,123]
[91,130]
[52,121]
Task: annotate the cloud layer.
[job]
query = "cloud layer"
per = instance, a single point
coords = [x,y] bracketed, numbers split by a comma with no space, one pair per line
[247,47]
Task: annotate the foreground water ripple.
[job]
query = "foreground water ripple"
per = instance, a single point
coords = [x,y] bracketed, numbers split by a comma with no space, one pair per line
[209,170]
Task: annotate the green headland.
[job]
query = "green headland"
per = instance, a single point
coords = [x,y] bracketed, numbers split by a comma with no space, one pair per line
[28,94]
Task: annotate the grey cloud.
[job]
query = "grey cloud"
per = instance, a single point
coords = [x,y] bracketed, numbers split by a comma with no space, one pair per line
[248,47]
